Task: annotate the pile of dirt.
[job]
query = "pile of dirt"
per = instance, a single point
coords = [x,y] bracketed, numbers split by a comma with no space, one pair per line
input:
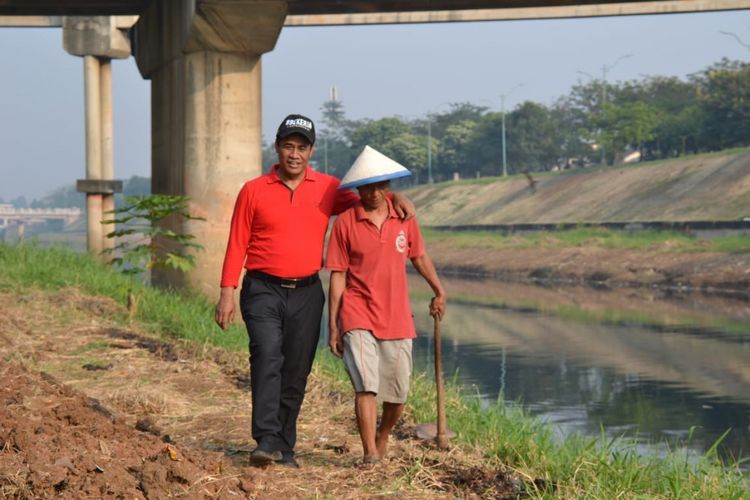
[55,441]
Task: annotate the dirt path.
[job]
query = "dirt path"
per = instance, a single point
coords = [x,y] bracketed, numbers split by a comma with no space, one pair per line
[92,409]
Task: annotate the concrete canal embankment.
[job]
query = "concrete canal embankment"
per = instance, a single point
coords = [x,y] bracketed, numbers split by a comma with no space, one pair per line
[704,196]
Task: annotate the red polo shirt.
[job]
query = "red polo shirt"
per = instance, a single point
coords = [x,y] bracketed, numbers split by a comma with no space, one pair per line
[376,297]
[279,231]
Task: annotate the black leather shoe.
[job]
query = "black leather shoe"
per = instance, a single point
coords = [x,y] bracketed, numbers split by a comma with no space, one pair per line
[260,456]
[287,459]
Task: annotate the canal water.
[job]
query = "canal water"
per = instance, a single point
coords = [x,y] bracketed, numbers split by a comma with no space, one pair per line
[665,370]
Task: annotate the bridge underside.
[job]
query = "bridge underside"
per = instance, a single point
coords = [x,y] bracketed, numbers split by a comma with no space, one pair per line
[326,7]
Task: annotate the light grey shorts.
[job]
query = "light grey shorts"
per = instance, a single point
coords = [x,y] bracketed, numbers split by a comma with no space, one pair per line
[382,367]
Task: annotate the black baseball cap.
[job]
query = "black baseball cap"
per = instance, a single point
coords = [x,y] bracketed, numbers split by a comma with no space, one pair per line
[297,124]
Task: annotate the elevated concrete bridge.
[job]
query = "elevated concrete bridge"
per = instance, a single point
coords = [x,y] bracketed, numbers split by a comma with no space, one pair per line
[203,58]
[10,215]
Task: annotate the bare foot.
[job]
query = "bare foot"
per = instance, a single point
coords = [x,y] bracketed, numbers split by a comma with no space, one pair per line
[369,461]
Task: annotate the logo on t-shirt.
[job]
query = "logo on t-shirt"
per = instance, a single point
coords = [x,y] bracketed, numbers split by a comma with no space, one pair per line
[401,242]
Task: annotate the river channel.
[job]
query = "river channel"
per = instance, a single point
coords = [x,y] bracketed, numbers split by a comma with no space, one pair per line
[667,371]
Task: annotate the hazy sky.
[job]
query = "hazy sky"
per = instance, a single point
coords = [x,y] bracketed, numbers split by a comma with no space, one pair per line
[379,71]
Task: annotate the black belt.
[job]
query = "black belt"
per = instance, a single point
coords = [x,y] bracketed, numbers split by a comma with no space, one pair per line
[285,282]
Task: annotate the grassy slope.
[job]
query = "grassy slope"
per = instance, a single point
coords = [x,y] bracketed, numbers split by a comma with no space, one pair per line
[591,237]
[703,187]
[578,468]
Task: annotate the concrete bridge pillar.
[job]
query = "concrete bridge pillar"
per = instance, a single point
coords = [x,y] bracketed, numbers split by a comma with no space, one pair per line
[98,40]
[204,62]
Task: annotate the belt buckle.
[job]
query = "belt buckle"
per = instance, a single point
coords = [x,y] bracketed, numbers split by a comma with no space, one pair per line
[289,284]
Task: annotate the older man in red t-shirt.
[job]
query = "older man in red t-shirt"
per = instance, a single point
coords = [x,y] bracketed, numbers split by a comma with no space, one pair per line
[277,232]
[370,319]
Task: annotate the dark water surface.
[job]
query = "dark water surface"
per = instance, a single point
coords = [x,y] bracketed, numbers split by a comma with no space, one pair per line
[665,370]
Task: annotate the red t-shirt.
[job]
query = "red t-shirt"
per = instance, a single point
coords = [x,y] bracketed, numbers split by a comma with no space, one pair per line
[279,231]
[376,297]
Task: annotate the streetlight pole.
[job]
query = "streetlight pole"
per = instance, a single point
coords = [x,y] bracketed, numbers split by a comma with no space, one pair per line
[332,99]
[603,101]
[429,150]
[502,111]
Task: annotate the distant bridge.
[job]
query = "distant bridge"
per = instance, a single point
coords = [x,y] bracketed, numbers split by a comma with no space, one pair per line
[10,215]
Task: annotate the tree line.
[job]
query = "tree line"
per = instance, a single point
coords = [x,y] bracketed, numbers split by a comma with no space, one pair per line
[657,117]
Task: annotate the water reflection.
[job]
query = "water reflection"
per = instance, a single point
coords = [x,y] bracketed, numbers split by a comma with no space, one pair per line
[658,368]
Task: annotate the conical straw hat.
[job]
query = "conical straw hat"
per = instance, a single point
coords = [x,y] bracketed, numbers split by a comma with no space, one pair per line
[372,166]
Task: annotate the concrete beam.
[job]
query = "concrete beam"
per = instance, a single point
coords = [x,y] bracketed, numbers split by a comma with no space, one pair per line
[223,26]
[30,21]
[170,29]
[528,13]
[440,16]
[121,22]
[95,36]
[98,186]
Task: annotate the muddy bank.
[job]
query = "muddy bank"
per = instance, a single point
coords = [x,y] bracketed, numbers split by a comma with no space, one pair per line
[662,268]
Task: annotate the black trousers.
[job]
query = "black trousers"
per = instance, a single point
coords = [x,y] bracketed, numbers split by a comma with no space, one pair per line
[283,325]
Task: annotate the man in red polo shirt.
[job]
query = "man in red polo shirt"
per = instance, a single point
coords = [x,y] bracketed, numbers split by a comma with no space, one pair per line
[277,232]
[370,319]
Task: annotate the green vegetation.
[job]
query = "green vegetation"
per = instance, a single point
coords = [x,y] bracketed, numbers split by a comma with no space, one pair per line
[92,346]
[155,244]
[174,315]
[656,116]
[578,467]
[732,244]
[652,240]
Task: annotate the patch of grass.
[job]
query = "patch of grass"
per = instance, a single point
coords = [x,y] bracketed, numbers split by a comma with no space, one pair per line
[473,239]
[646,240]
[91,346]
[732,244]
[94,364]
[576,468]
